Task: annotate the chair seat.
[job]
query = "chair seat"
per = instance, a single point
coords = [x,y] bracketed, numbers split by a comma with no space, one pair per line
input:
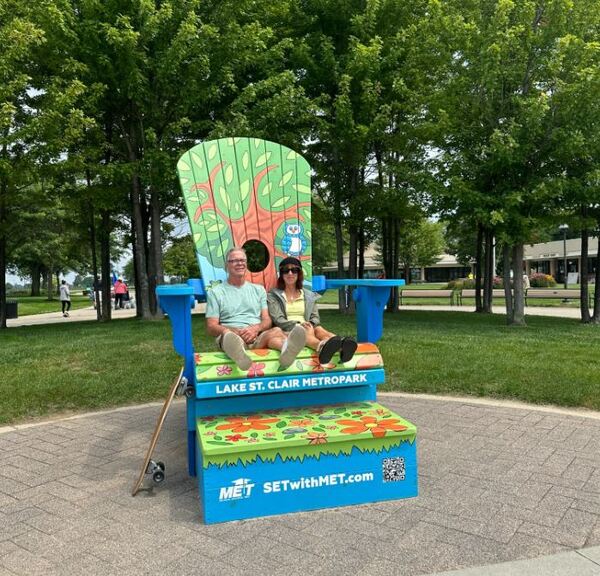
[299,432]
[216,366]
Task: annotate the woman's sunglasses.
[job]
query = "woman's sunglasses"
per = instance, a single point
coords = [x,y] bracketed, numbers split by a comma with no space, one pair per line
[294,270]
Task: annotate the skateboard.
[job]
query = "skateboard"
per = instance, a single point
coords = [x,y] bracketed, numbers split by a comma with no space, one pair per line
[157,469]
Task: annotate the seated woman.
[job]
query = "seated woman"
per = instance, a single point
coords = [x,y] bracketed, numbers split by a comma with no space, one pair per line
[290,304]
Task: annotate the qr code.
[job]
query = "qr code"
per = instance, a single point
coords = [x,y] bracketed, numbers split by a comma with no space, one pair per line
[393,469]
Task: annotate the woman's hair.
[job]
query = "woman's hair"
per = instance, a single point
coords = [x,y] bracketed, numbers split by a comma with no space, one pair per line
[299,280]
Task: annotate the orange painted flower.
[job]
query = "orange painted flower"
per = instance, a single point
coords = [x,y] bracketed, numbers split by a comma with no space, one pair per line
[261,351]
[378,428]
[239,424]
[304,422]
[313,364]
[317,438]
[235,437]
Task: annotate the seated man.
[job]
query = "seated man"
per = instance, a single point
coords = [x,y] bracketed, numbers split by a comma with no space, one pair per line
[237,315]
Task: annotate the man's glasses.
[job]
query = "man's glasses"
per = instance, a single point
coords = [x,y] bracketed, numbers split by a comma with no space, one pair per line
[237,261]
[290,270]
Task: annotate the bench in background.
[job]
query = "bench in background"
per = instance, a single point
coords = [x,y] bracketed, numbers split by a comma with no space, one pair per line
[470,293]
[427,294]
[558,294]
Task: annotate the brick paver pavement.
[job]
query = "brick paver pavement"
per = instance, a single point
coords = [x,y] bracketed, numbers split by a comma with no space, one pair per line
[496,483]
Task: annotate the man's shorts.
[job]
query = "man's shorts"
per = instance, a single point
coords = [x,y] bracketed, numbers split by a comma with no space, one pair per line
[258,343]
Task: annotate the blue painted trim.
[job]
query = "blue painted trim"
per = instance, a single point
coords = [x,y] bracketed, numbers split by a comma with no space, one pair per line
[309,381]
[177,301]
[319,284]
[371,297]
[340,283]
[267,488]
[197,285]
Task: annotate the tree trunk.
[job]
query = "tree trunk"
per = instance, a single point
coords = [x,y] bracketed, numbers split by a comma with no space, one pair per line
[142,287]
[35,279]
[395,255]
[156,264]
[2,273]
[49,287]
[3,259]
[518,318]
[596,314]
[508,297]
[584,299]
[488,275]
[339,245]
[361,252]
[94,249]
[106,314]
[478,256]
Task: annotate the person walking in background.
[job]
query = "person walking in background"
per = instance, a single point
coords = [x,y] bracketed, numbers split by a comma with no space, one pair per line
[65,298]
[120,291]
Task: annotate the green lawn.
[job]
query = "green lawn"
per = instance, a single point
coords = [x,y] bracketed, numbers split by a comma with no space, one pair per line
[40,304]
[55,368]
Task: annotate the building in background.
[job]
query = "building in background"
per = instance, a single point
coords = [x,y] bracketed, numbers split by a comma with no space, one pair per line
[546,257]
[549,257]
[445,269]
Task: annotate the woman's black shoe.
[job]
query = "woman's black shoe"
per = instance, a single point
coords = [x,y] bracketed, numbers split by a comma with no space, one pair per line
[329,348]
[348,349]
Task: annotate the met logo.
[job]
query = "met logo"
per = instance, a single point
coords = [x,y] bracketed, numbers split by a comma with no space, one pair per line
[240,488]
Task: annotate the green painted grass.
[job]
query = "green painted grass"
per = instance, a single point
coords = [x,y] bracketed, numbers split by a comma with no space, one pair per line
[57,368]
[40,304]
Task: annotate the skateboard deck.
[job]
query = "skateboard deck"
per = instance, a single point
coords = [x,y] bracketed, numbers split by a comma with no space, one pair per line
[157,468]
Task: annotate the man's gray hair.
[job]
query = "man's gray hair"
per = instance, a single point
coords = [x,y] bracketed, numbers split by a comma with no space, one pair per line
[234,249]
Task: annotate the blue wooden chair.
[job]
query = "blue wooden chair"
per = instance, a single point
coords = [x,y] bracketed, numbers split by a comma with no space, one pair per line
[250,431]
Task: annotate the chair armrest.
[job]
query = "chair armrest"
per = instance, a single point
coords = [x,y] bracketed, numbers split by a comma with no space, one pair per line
[370,296]
[177,301]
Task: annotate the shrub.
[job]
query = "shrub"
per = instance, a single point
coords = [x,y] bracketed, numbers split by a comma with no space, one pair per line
[470,283]
[457,284]
[539,280]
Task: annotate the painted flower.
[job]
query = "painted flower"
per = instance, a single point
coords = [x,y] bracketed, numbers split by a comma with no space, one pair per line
[378,428]
[317,438]
[381,412]
[235,437]
[261,351]
[304,422]
[293,431]
[241,424]
[224,370]
[257,369]
[269,434]
[197,358]
[358,412]
[331,427]
[315,366]
[252,440]
[209,433]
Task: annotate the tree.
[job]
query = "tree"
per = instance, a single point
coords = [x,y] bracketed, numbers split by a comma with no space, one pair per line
[180,259]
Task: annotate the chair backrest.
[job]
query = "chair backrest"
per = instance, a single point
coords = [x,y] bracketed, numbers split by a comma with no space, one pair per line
[238,190]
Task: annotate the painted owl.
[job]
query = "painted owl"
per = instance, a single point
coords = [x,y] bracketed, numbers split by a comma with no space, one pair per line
[293,243]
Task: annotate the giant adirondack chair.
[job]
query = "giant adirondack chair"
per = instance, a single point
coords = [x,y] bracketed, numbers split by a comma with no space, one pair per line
[315,428]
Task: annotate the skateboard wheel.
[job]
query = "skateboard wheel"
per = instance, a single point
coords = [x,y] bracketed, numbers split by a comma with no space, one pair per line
[189,391]
[158,476]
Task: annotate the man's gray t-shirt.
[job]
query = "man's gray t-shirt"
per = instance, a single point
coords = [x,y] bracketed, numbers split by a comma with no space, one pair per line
[236,307]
